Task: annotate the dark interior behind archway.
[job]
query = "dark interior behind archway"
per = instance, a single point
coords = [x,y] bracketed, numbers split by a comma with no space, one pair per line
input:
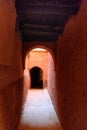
[36,75]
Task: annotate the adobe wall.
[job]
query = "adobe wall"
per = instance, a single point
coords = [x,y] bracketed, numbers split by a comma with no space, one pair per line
[72,72]
[52,80]
[7,30]
[11,89]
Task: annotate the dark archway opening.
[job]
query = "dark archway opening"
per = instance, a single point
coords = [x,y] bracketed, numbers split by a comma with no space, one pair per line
[36,75]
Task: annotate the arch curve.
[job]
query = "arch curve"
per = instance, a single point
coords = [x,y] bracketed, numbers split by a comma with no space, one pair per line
[49,46]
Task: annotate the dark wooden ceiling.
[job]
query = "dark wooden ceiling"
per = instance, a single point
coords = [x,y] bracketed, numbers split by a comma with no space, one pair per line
[44,20]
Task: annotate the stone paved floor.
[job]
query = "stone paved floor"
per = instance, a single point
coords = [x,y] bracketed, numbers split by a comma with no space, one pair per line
[38,113]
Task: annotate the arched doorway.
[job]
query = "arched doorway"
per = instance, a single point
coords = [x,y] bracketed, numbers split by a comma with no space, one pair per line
[36,75]
[37,57]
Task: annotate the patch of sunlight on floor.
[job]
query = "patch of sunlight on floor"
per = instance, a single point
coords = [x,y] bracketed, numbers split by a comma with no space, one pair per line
[38,113]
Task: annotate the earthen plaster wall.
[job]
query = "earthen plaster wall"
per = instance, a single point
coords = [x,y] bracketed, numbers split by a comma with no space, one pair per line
[52,80]
[11,89]
[7,30]
[72,72]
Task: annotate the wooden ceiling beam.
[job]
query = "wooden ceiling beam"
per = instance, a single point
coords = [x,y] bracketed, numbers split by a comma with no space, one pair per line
[32,13]
[40,33]
[64,4]
[41,27]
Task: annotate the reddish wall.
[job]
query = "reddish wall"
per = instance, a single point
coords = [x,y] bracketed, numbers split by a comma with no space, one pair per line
[14,71]
[11,73]
[7,27]
[11,89]
[72,72]
[52,80]
[11,99]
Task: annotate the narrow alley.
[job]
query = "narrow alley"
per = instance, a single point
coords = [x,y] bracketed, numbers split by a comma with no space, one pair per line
[38,113]
[43,44]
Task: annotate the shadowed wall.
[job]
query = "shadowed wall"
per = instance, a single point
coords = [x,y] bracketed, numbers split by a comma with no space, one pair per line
[72,72]
[11,89]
